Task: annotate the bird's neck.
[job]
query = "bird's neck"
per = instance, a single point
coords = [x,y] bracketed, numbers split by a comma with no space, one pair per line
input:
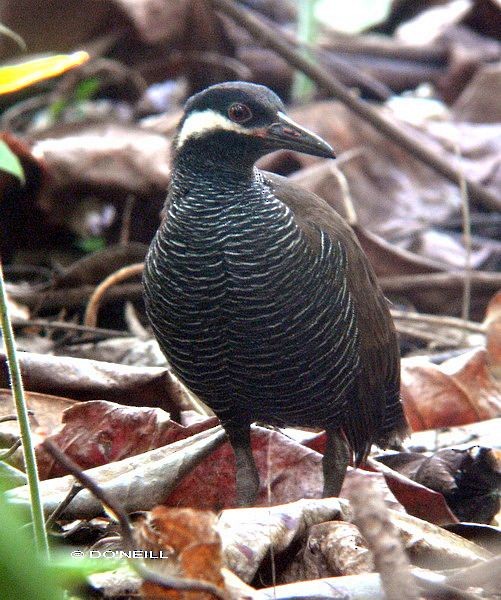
[213,179]
[217,158]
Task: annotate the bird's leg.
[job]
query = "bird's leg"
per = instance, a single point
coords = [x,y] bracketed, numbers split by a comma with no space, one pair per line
[247,474]
[335,462]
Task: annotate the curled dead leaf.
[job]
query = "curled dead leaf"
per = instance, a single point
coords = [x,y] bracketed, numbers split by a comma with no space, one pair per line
[461,390]
[189,540]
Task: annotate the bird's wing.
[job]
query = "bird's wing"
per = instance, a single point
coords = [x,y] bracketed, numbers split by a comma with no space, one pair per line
[377,415]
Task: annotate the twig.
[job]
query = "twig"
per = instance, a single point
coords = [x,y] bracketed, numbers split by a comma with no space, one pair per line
[74,297]
[275,40]
[268,495]
[169,583]
[433,338]
[466,217]
[8,453]
[90,319]
[6,418]
[371,516]
[24,424]
[350,213]
[69,327]
[130,200]
[444,281]
[75,489]
[356,75]
[441,321]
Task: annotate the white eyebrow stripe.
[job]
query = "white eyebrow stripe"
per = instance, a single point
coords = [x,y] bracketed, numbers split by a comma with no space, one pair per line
[203,121]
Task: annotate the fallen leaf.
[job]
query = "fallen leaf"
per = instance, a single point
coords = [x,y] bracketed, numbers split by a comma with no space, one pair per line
[492,323]
[47,413]
[461,390]
[418,500]
[333,548]
[81,379]
[431,546]
[140,482]
[248,533]
[97,432]
[469,480]
[189,541]
[293,472]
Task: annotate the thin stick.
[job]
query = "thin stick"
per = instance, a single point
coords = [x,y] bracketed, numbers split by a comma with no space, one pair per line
[130,200]
[24,425]
[169,583]
[466,217]
[439,320]
[350,213]
[426,336]
[94,302]
[443,589]
[373,519]
[275,40]
[8,453]
[63,325]
[75,489]
[268,493]
[446,281]
[75,296]
[13,417]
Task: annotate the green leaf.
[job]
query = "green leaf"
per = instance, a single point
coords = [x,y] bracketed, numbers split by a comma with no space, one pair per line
[85,90]
[22,574]
[10,163]
[11,477]
[91,244]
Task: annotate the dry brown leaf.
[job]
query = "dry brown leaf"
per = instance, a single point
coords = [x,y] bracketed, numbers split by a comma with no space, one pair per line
[248,533]
[392,192]
[431,546]
[461,390]
[47,411]
[469,479]
[82,379]
[493,342]
[479,101]
[293,470]
[107,161]
[97,432]
[331,549]
[350,587]
[190,541]
[140,482]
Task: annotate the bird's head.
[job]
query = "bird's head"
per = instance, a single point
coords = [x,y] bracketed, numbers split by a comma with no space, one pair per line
[236,123]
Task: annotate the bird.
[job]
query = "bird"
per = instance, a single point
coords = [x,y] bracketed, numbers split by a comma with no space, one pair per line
[260,295]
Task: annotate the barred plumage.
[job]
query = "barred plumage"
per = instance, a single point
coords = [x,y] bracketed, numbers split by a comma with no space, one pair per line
[248,310]
[260,295]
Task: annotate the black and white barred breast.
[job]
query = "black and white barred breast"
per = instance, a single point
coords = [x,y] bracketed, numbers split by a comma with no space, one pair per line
[252,317]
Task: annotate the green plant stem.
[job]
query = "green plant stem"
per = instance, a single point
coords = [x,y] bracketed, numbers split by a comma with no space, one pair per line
[24,425]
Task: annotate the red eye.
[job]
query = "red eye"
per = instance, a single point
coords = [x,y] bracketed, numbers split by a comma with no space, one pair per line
[240,113]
